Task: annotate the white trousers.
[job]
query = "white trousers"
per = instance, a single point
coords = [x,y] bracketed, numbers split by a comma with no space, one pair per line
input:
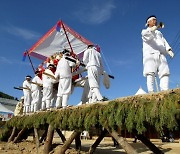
[164,82]
[65,100]
[58,102]
[27,109]
[94,95]
[46,104]
[62,101]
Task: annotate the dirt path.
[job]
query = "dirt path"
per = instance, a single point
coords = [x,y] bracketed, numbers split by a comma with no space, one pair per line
[106,147]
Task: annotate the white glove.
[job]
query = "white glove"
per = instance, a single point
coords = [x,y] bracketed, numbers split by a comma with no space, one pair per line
[171,54]
[153,28]
[77,62]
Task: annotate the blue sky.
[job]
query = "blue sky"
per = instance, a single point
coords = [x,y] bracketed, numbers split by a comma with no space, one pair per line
[113,24]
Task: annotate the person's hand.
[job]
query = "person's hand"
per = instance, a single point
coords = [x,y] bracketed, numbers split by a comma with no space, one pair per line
[153,28]
[170,52]
[77,62]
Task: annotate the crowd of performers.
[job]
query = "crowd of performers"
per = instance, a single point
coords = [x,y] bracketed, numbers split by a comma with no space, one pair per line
[57,80]
[52,86]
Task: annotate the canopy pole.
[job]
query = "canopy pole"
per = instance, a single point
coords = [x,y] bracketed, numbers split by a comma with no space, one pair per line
[30,61]
[67,36]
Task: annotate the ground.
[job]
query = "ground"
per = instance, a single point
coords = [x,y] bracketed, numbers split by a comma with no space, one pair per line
[105,147]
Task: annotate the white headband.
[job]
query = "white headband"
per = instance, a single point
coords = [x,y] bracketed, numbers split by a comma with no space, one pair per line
[151,18]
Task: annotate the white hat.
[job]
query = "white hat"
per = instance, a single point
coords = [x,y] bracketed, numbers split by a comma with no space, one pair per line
[150,18]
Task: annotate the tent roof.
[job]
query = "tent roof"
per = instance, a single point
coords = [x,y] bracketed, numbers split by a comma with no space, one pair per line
[140,91]
[4,109]
[55,40]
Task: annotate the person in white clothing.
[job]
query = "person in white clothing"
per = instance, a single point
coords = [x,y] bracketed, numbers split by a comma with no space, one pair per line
[92,60]
[27,94]
[48,81]
[155,49]
[36,92]
[64,74]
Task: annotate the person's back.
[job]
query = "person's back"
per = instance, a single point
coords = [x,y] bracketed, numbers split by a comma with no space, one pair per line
[64,68]
[93,62]
[92,58]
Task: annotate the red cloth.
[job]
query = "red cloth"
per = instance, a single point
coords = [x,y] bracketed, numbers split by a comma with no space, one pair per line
[55,61]
[41,69]
[75,76]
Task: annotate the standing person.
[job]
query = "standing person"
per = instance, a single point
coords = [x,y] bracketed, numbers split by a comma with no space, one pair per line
[36,92]
[48,81]
[27,94]
[64,74]
[155,49]
[92,60]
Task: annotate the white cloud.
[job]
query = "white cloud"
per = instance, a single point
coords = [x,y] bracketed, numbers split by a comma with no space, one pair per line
[121,62]
[21,32]
[96,13]
[4,60]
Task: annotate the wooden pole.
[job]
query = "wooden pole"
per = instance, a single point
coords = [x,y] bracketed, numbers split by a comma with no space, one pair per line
[61,135]
[98,140]
[123,143]
[43,137]
[68,142]
[49,138]
[36,139]
[78,142]
[19,135]
[67,37]
[30,61]
[148,143]
[11,138]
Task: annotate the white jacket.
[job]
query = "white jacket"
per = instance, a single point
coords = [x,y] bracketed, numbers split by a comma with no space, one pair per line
[154,42]
[64,68]
[155,48]
[92,57]
[48,81]
[27,85]
[37,80]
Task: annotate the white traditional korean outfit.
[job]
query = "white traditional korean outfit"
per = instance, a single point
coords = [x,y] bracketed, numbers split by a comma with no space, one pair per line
[92,60]
[155,48]
[47,89]
[64,73]
[36,94]
[27,96]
